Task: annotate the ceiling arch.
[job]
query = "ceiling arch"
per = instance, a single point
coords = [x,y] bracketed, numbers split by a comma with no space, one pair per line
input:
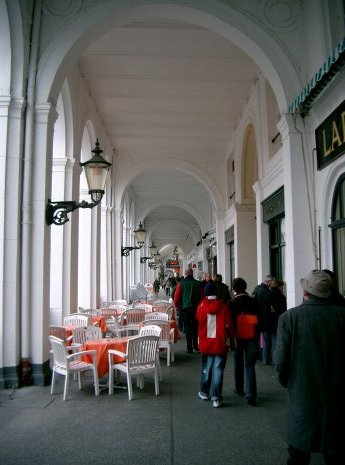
[92,22]
[177,203]
[122,181]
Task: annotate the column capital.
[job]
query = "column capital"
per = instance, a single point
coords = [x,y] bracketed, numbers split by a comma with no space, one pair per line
[45,113]
[287,125]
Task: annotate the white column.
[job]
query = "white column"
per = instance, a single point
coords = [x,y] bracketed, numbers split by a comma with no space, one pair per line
[85,255]
[11,135]
[300,229]
[117,240]
[262,236]
[38,277]
[220,236]
[110,261]
[57,241]
[103,258]
[245,244]
[71,261]
[95,256]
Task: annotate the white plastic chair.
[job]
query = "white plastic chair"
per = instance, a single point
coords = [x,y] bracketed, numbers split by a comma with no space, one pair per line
[156,316]
[76,320]
[93,333]
[169,311]
[78,338]
[153,330]
[141,358]
[150,330]
[57,331]
[166,339]
[69,364]
[132,316]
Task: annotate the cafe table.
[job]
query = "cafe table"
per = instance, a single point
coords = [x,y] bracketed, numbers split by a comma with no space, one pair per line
[101,347]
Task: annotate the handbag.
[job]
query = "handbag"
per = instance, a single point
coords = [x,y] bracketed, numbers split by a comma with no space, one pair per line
[246,326]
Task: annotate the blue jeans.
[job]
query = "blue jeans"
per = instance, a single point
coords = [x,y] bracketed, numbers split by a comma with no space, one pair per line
[245,357]
[269,347]
[212,370]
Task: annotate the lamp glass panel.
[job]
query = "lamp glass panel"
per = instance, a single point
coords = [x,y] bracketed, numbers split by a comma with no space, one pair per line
[153,250]
[96,176]
[140,235]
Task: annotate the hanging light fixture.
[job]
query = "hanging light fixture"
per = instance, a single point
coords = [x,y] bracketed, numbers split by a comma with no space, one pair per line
[140,235]
[96,170]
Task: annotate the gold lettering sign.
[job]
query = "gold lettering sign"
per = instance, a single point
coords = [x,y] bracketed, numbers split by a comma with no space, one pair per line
[330,137]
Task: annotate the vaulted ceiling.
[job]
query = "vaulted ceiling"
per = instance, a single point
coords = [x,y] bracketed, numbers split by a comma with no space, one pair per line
[168,89]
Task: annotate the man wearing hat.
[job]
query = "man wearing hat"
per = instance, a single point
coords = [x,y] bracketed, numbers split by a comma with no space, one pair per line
[310,359]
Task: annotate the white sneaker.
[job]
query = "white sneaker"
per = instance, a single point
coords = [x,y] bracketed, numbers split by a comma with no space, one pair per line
[203,396]
[217,403]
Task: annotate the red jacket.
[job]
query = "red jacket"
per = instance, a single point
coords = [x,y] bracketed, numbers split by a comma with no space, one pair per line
[215,326]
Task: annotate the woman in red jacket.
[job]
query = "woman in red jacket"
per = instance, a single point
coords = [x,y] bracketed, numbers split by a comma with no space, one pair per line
[215,327]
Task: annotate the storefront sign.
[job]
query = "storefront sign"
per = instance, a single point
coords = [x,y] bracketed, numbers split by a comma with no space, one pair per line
[330,137]
[273,206]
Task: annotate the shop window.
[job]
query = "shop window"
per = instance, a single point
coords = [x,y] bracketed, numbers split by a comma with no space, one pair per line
[338,227]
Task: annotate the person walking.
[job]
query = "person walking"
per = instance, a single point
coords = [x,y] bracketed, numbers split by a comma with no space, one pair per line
[247,345]
[261,294]
[223,292]
[276,306]
[336,297]
[156,286]
[206,278]
[188,294]
[309,358]
[215,328]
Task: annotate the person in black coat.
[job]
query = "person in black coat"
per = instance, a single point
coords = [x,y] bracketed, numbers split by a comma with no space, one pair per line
[261,293]
[309,358]
[246,352]
[276,305]
[336,297]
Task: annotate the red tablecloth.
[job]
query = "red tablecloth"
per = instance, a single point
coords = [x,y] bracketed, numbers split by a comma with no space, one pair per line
[100,320]
[101,347]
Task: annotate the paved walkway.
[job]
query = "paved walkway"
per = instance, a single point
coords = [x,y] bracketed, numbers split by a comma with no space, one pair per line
[175,428]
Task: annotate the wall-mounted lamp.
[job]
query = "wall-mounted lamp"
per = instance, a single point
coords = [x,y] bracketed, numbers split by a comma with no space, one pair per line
[153,249]
[154,265]
[96,170]
[204,236]
[156,256]
[140,235]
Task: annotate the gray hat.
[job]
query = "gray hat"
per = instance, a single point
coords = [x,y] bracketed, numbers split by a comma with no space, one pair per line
[317,283]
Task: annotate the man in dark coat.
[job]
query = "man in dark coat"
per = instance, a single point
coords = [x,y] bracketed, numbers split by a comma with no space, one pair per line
[187,297]
[223,292]
[262,294]
[309,357]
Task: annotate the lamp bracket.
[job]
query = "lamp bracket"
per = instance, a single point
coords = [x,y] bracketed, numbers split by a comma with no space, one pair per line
[56,212]
[125,250]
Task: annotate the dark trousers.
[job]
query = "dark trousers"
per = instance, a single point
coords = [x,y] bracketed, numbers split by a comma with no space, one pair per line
[301,457]
[245,357]
[190,326]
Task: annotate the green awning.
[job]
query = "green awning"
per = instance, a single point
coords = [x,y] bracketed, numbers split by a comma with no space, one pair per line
[319,81]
